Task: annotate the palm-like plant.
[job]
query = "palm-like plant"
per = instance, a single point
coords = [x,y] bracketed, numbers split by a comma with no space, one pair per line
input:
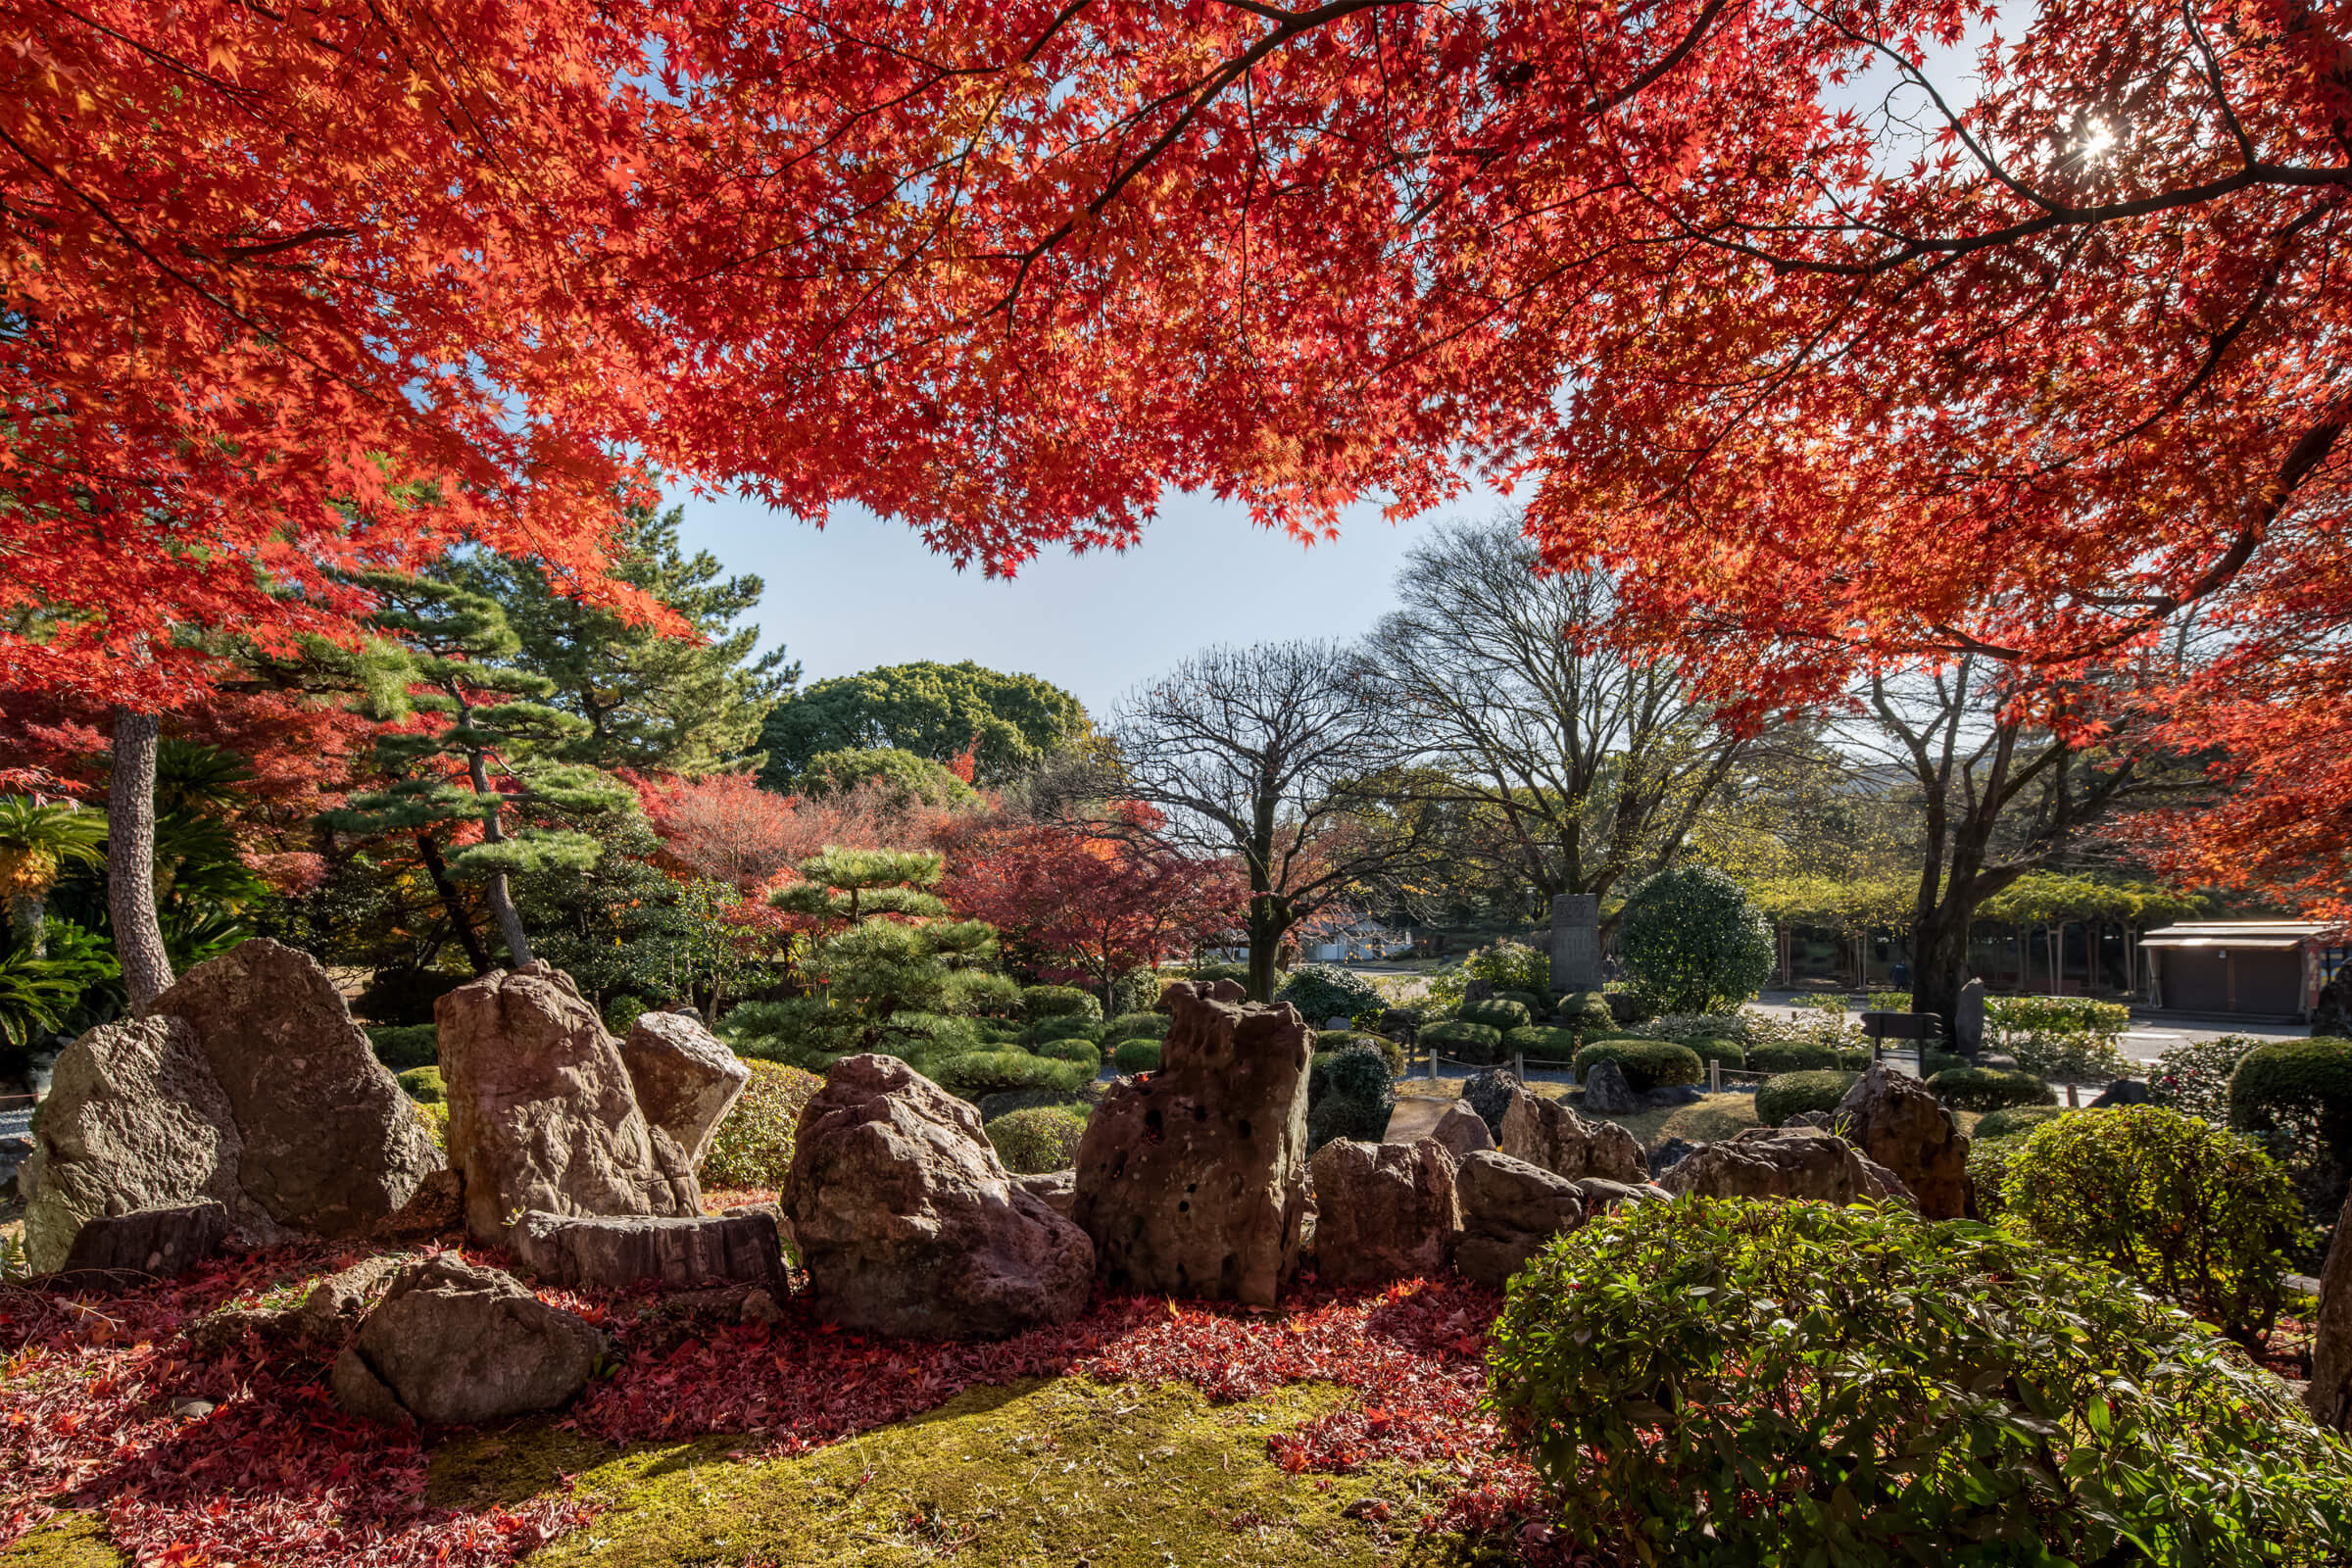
[37,844]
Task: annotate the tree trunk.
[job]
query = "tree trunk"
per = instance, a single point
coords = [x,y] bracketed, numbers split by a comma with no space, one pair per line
[130,860]
[1266,927]
[459,920]
[26,912]
[502,900]
[1939,962]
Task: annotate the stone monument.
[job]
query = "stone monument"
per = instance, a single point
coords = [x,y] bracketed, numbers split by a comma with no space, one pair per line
[1968,1025]
[1575,943]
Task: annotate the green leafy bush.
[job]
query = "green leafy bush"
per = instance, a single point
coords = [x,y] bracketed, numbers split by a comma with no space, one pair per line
[1476,1043]
[1534,1004]
[1693,942]
[1064,1026]
[1496,1013]
[1989,1168]
[2016,1122]
[1341,1039]
[1778,1056]
[1058,1002]
[1321,991]
[2191,1210]
[1586,1010]
[1720,1382]
[1511,966]
[424,1086]
[1133,1056]
[1990,1089]
[1714,1048]
[2194,1076]
[2063,1039]
[990,1072]
[2296,1096]
[403,1046]
[1538,1043]
[981,993]
[1350,1094]
[1081,1052]
[620,1014]
[1137,1026]
[753,1146]
[1792,1094]
[1030,1142]
[434,1115]
[1647,1063]
[1006,1102]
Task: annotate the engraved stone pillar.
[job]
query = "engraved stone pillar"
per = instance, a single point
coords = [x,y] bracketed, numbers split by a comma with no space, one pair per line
[1575,943]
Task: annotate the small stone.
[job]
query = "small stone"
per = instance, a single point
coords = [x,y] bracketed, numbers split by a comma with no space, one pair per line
[2123,1092]
[191,1410]
[157,1243]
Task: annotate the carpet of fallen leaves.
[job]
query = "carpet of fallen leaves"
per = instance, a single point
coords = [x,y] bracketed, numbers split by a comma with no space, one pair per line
[245,1459]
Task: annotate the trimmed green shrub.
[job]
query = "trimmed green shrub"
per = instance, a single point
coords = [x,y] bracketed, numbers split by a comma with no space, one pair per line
[1778,1056]
[2195,1077]
[1989,1168]
[423,1085]
[1350,1094]
[1534,1004]
[996,1031]
[1693,942]
[1540,1044]
[1058,1002]
[1628,1005]
[1990,1089]
[1030,1142]
[1647,1063]
[2063,1039]
[2190,1210]
[753,1146]
[1714,1048]
[1238,973]
[1718,1383]
[1006,1102]
[1495,1014]
[1792,1094]
[1476,1043]
[1137,1026]
[1321,991]
[1586,1010]
[1066,1026]
[990,1072]
[2016,1122]
[401,1046]
[620,1014]
[1341,1039]
[1510,967]
[1133,1056]
[1077,1051]
[981,994]
[2296,1096]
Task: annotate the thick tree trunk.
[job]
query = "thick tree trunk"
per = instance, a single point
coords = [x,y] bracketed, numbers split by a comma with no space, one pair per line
[453,903]
[1939,962]
[502,899]
[130,860]
[1266,928]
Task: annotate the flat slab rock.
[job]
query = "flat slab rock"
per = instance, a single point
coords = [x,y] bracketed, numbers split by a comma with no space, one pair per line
[1782,1163]
[612,1252]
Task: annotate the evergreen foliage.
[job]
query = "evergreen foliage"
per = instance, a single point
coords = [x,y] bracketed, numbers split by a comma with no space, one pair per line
[937,712]
[1693,942]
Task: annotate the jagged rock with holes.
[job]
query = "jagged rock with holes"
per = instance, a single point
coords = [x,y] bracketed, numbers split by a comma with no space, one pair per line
[613,1254]
[1193,1182]
[542,1115]
[1549,1133]
[1509,1210]
[1382,1211]
[910,1225]
[1777,1162]
[1461,1129]
[1894,1120]
[686,1081]
[453,1344]
[1607,1094]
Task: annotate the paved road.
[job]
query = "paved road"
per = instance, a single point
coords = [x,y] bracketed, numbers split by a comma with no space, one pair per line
[2145,1041]
[15,1120]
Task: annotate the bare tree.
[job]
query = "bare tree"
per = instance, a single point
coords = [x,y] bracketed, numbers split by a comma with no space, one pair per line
[1568,767]
[1262,754]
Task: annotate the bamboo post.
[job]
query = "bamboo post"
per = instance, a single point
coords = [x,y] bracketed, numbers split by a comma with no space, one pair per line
[1714,1075]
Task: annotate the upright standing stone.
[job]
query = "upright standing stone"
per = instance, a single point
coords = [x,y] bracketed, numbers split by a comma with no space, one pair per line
[541,1111]
[1968,1025]
[1893,1119]
[1193,1182]
[686,1081]
[1384,1211]
[1549,1134]
[1575,943]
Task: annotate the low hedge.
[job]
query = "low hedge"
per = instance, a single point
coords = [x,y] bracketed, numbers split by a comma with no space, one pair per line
[990,1072]
[1476,1043]
[1030,1142]
[1058,1002]
[1647,1063]
[1715,1048]
[1064,1026]
[1340,1038]
[1495,1013]
[1136,1026]
[1074,1051]
[1083,1101]
[401,1046]
[753,1146]
[1541,1042]
[1133,1056]
[1990,1089]
[1792,1094]
[423,1085]
[1779,1057]
[2015,1120]
[1586,1010]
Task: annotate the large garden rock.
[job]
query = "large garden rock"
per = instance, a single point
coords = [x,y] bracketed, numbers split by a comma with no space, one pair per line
[908,1224]
[452,1345]
[1607,1094]
[686,1081]
[1776,1162]
[542,1115]
[1509,1210]
[1550,1133]
[327,1143]
[610,1254]
[1193,1182]
[1382,1211]
[1462,1129]
[135,1120]
[149,1244]
[1893,1119]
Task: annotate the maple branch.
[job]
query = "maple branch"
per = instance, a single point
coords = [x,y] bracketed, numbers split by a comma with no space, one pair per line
[1673,57]
[309,237]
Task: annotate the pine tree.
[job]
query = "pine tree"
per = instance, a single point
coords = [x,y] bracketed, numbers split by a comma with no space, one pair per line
[490,749]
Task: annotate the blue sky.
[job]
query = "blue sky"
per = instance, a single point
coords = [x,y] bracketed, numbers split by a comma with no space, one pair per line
[866,592]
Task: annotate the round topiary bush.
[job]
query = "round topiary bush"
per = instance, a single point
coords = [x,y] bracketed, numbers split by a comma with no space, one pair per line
[1209,973]
[1475,1043]
[2296,1096]
[1586,1010]
[1538,1043]
[2016,1122]
[1133,1056]
[1321,991]
[1058,1002]
[1778,1056]
[1064,1026]
[1647,1063]
[1762,1382]
[1533,1002]
[1031,1142]
[753,1146]
[1715,1048]
[990,1072]
[403,1046]
[423,1085]
[1693,942]
[1350,1094]
[1990,1089]
[1341,1039]
[1495,1013]
[2190,1210]
[1136,1026]
[1793,1093]
[1073,1050]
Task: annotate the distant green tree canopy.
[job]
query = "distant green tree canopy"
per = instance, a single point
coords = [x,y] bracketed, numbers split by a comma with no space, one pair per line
[1009,722]
[915,780]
